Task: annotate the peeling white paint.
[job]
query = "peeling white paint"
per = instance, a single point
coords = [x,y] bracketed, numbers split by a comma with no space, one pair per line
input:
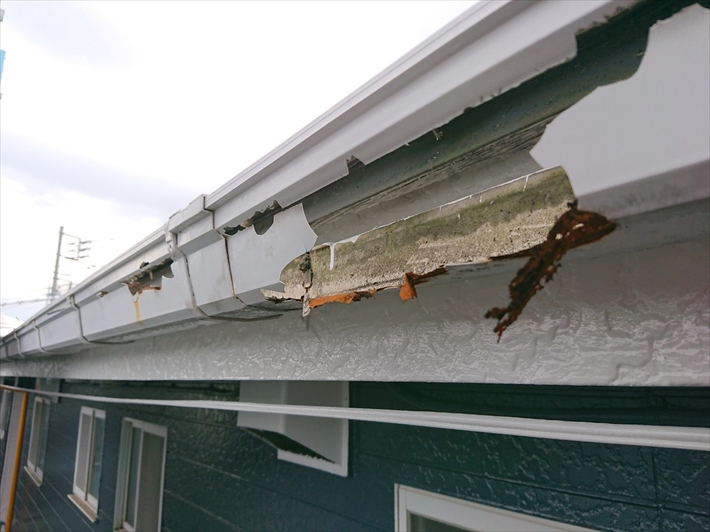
[350,240]
[256,260]
[643,143]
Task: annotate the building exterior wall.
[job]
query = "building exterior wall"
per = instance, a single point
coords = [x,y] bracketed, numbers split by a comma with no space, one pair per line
[219,477]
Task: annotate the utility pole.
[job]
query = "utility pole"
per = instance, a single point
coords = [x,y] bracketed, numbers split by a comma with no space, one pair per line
[54,291]
[81,247]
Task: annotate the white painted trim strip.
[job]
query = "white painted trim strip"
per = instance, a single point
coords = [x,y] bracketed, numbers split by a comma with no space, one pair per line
[690,438]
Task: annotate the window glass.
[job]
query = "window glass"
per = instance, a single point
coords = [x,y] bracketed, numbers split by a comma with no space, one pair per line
[139,493]
[422,511]
[44,432]
[133,477]
[89,456]
[151,480]
[97,450]
[83,450]
[5,412]
[38,439]
[417,523]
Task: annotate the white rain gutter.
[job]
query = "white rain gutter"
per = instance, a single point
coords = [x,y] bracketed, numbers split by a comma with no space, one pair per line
[491,48]
[689,438]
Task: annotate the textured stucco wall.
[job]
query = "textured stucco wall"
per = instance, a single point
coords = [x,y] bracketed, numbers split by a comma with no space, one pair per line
[635,318]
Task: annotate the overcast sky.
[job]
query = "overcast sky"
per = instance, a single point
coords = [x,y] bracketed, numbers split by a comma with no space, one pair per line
[114,115]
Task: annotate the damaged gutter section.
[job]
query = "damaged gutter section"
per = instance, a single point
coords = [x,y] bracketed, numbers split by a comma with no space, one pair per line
[504,220]
[642,144]
[198,276]
[490,49]
[632,147]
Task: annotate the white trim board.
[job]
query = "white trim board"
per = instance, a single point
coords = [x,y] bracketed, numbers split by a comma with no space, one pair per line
[464,514]
[690,438]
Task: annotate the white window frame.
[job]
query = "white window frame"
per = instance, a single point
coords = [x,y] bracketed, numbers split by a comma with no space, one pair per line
[86,502]
[119,522]
[38,438]
[466,515]
[5,410]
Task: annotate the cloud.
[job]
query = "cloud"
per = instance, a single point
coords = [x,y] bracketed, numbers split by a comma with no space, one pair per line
[69,30]
[49,170]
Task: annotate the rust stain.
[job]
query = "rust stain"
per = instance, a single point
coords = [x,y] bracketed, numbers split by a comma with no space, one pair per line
[138,288]
[407,291]
[346,298]
[149,278]
[573,229]
[137,309]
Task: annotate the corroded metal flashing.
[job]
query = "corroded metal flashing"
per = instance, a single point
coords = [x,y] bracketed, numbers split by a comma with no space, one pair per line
[573,229]
[149,277]
[500,221]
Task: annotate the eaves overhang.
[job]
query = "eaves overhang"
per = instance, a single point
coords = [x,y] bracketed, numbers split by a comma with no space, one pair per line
[214,262]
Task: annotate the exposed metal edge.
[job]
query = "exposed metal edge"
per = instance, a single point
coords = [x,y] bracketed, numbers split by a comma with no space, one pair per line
[488,50]
[689,438]
[663,107]
[464,21]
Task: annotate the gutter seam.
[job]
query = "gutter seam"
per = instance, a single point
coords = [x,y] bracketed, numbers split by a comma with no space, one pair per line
[39,339]
[72,304]
[173,243]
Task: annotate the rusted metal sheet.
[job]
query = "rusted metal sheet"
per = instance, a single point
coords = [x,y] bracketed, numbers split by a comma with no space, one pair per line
[149,277]
[504,220]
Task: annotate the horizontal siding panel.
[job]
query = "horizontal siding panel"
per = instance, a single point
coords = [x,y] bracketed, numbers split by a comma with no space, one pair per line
[673,521]
[608,471]
[251,507]
[181,514]
[580,510]
[684,479]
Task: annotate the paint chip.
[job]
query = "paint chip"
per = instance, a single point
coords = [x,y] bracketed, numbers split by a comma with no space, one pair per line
[407,291]
[346,298]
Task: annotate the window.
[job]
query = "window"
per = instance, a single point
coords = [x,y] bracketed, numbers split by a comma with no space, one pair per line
[422,511]
[5,409]
[38,439]
[139,493]
[87,468]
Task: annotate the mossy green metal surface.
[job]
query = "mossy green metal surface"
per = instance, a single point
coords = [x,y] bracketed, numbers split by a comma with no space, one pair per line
[503,220]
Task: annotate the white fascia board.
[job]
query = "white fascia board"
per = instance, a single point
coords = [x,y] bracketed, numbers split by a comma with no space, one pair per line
[493,47]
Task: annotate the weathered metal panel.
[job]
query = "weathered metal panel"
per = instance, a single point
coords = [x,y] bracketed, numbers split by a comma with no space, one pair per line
[29,341]
[121,312]
[212,280]
[643,143]
[256,260]
[61,331]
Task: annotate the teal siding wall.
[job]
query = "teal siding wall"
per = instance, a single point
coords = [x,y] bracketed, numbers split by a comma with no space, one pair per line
[219,477]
